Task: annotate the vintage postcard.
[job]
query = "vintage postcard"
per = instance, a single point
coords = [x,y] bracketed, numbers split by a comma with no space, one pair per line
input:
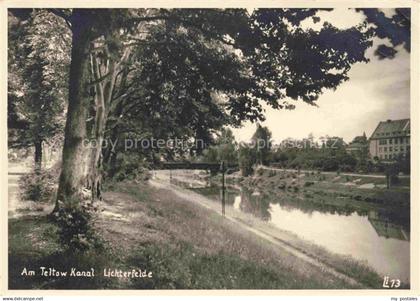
[211,147]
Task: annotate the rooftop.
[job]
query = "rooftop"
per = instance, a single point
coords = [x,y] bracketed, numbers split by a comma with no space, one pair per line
[392,128]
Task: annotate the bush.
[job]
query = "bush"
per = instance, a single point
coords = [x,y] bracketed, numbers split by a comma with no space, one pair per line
[308,183]
[128,167]
[75,222]
[39,186]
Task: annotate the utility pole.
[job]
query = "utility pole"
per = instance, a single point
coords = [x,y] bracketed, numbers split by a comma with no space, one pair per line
[222,169]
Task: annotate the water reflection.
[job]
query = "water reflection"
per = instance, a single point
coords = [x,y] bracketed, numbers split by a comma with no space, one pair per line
[389,223]
[380,236]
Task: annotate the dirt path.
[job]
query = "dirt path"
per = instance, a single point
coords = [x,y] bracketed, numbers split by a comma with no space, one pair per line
[193,197]
[15,172]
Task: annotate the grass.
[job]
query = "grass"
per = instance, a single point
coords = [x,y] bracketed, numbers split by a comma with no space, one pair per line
[185,245]
[183,267]
[216,237]
[33,243]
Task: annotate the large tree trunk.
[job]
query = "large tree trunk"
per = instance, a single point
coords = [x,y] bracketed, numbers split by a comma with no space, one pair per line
[95,160]
[103,94]
[104,90]
[111,154]
[73,175]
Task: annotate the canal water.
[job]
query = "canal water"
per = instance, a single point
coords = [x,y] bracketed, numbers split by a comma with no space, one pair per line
[380,238]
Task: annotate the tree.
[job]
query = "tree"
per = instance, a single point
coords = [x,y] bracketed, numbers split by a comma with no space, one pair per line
[262,144]
[224,149]
[286,62]
[38,62]
[90,27]
[360,139]
[227,147]
[247,159]
[362,153]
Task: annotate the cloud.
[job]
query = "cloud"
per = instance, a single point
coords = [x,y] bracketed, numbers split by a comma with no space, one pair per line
[376,91]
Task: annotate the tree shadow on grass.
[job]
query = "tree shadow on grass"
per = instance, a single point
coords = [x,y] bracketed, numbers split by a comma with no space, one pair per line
[33,243]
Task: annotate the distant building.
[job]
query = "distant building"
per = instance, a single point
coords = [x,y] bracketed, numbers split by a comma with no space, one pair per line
[390,140]
[358,146]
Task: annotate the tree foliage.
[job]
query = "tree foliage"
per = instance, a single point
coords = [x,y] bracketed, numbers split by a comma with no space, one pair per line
[168,73]
[395,28]
[225,149]
[261,140]
[38,68]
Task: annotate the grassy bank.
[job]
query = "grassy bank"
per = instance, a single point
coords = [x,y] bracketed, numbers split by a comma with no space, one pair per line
[33,243]
[330,189]
[184,245]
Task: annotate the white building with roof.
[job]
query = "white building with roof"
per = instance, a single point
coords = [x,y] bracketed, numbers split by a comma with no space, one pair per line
[390,140]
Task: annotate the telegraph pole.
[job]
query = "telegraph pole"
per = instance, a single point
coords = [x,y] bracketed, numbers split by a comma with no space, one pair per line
[222,169]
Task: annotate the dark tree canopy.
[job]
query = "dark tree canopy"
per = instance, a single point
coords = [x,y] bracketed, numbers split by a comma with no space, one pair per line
[186,73]
[38,67]
[395,28]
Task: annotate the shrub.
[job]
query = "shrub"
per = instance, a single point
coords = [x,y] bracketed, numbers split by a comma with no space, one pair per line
[75,222]
[308,183]
[39,186]
[128,167]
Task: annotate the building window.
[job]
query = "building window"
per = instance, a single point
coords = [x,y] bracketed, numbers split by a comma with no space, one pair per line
[395,140]
[380,149]
[396,148]
[401,140]
[390,141]
[385,149]
[402,148]
[382,141]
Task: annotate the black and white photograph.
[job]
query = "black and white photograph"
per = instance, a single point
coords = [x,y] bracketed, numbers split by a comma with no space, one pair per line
[258,148]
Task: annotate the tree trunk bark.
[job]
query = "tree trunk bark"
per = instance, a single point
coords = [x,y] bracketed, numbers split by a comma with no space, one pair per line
[114,137]
[95,164]
[38,156]
[103,95]
[73,177]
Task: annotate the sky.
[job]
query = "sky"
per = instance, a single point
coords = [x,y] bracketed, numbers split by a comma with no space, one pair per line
[376,91]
